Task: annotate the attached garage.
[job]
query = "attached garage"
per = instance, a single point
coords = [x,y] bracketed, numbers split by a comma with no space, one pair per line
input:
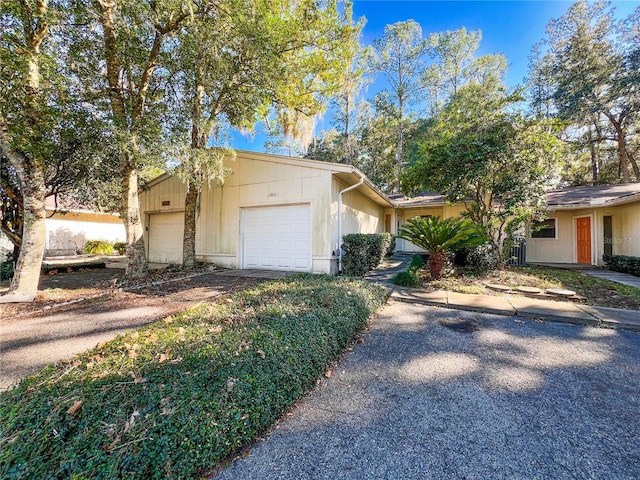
[277,238]
[270,213]
[165,237]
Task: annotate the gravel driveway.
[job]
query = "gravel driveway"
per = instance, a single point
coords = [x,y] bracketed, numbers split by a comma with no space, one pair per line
[437,393]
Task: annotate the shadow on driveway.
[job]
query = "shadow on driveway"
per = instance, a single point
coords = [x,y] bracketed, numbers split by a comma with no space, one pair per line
[438,393]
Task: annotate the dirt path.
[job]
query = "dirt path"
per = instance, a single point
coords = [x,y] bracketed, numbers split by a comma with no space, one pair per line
[29,340]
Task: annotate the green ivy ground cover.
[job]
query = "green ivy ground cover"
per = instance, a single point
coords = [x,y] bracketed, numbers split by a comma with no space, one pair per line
[176,397]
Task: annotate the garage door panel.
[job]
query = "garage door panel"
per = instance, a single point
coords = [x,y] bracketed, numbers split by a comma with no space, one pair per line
[166,231]
[277,238]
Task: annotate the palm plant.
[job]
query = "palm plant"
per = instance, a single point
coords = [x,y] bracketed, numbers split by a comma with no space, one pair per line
[440,237]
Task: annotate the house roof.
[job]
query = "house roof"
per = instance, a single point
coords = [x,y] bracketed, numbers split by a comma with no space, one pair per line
[423,199]
[62,205]
[593,196]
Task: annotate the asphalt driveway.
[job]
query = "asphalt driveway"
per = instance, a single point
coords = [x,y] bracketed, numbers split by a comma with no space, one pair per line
[438,393]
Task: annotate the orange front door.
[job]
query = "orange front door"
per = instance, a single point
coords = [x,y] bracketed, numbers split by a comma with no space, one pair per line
[583,227]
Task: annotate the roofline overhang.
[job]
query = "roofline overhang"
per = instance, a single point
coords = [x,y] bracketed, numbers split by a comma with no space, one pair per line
[63,211]
[634,197]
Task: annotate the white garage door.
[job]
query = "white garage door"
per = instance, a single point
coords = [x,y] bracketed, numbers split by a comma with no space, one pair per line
[165,237]
[277,238]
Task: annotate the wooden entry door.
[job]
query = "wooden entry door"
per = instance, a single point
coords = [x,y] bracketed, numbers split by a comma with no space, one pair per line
[583,229]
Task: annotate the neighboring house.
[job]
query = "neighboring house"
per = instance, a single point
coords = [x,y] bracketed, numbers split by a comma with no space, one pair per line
[587,222]
[70,227]
[272,212]
[282,213]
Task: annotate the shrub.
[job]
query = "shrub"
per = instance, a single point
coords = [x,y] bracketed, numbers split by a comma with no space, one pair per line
[417,261]
[98,247]
[364,252]
[120,247]
[441,237]
[479,259]
[392,245]
[623,264]
[6,268]
[407,279]
[172,399]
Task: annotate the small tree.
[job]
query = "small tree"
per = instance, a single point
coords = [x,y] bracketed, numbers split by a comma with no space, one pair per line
[440,237]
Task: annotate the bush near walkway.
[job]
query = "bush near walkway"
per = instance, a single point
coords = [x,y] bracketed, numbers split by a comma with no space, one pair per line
[173,399]
[623,264]
[365,251]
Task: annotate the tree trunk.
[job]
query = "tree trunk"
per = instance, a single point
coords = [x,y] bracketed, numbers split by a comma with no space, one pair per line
[399,145]
[24,285]
[194,186]
[436,264]
[137,258]
[634,165]
[189,239]
[595,171]
[29,168]
[622,149]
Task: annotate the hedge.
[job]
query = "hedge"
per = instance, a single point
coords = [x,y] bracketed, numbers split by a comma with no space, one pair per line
[623,264]
[173,399]
[364,252]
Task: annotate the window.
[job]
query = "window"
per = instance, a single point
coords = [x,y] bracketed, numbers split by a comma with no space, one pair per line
[607,224]
[544,229]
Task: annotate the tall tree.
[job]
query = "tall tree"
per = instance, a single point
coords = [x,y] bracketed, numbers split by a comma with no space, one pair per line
[400,56]
[235,64]
[481,152]
[118,52]
[23,130]
[50,141]
[593,79]
[455,65]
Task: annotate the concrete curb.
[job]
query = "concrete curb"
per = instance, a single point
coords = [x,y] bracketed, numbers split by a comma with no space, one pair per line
[563,312]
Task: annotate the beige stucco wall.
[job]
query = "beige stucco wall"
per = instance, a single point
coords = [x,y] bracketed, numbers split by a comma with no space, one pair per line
[626,235]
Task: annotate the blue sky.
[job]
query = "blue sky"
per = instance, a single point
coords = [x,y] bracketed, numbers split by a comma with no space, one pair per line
[508,27]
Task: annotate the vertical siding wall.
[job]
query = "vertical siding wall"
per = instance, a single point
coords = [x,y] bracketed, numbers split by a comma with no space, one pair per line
[256,183]
[170,190]
[626,229]
[360,214]
[253,183]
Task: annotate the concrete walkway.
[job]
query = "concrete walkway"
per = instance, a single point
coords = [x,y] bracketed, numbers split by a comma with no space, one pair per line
[594,271]
[623,278]
[558,311]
